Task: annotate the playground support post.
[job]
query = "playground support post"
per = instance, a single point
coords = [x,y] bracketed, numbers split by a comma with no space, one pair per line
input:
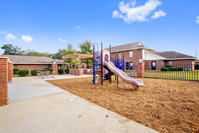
[117,67]
[114,64]
[75,67]
[123,63]
[93,63]
[102,66]
[110,61]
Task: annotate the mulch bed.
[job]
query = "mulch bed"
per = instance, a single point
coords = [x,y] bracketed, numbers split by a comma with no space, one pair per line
[164,105]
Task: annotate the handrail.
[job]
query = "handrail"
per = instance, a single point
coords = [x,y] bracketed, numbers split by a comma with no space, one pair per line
[128,70]
[131,70]
[115,63]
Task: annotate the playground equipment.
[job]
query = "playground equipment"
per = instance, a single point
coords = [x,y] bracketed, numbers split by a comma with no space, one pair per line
[102,59]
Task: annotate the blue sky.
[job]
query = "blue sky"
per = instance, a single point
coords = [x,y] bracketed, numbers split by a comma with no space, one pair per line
[49,25]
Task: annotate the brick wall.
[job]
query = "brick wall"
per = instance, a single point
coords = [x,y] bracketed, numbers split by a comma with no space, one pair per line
[188,64]
[176,63]
[10,71]
[137,55]
[31,67]
[159,64]
[3,81]
[55,69]
[79,72]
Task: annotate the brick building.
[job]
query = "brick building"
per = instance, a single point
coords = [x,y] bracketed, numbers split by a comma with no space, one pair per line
[133,52]
[33,62]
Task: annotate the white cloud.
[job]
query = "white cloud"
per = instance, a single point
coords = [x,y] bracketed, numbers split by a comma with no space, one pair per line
[27,38]
[129,12]
[2,32]
[79,27]
[61,40]
[10,36]
[197,19]
[158,14]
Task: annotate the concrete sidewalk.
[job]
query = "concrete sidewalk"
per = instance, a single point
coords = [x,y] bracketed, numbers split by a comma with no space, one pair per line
[61,112]
[23,88]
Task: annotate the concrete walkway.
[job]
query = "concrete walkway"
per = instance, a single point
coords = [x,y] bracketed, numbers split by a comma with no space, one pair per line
[29,87]
[61,112]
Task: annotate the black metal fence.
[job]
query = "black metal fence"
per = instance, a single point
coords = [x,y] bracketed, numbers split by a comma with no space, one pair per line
[177,71]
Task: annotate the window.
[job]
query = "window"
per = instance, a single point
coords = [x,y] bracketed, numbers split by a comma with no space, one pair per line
[131,54]
[120,55]
[153,63]
[59,66]
[131,64]
[170,63]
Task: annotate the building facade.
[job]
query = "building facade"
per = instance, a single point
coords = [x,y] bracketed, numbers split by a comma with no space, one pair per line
[33,62]
[134,52]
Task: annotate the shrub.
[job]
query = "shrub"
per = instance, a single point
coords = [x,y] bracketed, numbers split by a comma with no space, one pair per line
[168,65]
[164,69]
[47,69]
[15,70]
[67,70]
[60,71]
[34,72]
[23,73]
[176,69]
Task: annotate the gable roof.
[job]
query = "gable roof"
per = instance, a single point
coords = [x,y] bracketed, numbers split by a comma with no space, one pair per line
[21,59]
[174,55]
[129,46]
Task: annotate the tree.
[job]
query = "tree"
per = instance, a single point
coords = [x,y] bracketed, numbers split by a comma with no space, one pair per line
[69,50]
[31,52]
[9,49]
[59,54]
[85,47]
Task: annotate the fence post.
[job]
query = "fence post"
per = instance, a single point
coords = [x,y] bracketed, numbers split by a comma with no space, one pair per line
[140,70]
[3,80]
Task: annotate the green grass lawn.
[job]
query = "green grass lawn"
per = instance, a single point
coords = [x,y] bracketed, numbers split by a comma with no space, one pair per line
[186,75]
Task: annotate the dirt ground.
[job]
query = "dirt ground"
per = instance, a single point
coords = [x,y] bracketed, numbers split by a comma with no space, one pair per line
[167,106]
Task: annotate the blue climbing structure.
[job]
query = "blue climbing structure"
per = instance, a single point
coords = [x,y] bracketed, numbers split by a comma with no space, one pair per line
[97,64]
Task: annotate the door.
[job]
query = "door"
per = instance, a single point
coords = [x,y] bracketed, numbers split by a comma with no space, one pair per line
[153,65]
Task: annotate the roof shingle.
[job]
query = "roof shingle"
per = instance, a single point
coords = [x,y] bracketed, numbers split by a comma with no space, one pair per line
[21,59]
[174,55]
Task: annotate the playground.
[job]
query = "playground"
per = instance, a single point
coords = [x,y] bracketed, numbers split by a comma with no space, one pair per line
[163,105]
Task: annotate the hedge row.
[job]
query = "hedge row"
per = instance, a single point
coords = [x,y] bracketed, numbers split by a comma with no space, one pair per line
[23,73]
[172,69]
[34,72]
[47,69]
[15,70]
